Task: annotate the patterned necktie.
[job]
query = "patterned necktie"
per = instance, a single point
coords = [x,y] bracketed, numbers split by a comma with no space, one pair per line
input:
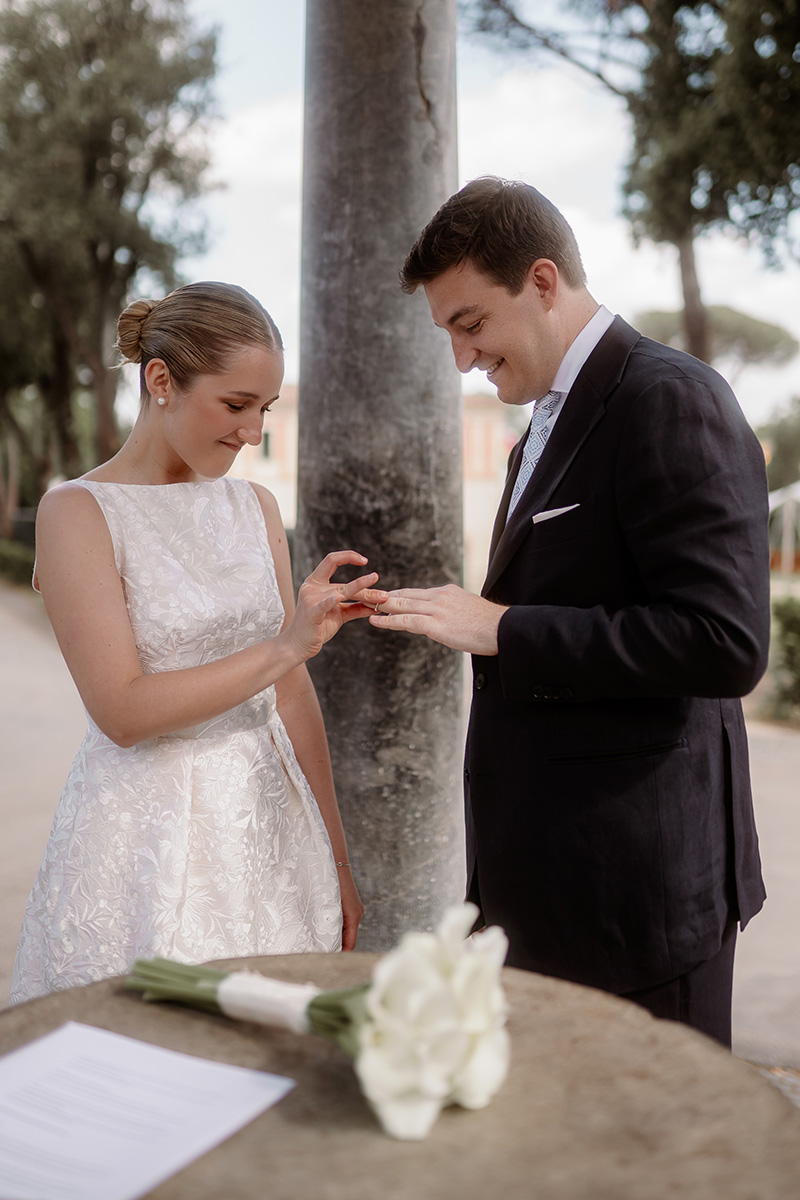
[538,434]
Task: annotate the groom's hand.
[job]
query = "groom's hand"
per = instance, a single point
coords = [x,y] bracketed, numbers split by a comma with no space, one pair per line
[458,619]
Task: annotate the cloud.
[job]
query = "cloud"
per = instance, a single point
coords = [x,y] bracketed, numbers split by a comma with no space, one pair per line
[549,128]
[255,217]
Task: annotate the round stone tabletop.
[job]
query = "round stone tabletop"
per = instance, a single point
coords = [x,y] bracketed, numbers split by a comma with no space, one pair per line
[602,1102]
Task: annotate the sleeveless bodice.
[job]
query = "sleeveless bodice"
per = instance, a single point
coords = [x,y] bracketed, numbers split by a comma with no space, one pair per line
[198,576]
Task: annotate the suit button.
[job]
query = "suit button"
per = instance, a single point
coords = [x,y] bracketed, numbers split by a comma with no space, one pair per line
[567,693]
[480,681]
[466,774]
[538,693]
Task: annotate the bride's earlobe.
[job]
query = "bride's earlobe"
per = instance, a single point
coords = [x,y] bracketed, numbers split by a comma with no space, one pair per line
[157,380]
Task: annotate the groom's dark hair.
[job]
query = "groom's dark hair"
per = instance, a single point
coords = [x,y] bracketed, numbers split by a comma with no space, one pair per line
[501,226]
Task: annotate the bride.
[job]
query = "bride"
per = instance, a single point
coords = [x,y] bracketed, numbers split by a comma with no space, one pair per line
[199,819]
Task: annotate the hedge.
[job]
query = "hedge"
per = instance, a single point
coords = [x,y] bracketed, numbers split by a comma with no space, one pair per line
[786,614]
[16,562]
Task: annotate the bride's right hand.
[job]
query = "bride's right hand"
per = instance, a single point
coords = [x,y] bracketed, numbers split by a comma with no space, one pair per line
[323,607]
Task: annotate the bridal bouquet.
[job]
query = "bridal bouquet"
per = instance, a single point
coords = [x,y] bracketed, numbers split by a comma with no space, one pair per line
[427,1031]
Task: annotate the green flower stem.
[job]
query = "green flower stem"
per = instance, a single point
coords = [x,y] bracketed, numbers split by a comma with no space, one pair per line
[335,1015]
[161,979]
[338,1015]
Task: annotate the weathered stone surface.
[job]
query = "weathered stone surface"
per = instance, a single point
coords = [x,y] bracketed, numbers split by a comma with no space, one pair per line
[602,1103]
[380,440]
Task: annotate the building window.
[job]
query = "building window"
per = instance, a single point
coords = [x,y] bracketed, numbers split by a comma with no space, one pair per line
[265,447]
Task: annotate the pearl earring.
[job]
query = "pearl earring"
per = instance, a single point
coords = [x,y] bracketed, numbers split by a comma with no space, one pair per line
[161,400]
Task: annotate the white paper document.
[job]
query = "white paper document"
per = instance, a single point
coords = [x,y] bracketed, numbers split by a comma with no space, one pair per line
[91,1115]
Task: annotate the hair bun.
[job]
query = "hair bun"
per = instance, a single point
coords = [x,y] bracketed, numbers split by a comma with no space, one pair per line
[130,328]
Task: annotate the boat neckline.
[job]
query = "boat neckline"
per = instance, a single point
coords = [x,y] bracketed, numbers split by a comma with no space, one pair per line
[177,482]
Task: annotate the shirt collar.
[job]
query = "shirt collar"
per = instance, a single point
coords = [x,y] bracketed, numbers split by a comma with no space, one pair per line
[580,349]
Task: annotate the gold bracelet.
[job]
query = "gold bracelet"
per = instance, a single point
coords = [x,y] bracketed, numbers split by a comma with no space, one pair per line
[342,864]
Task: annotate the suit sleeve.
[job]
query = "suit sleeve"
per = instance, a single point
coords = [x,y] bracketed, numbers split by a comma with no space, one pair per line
[691,509]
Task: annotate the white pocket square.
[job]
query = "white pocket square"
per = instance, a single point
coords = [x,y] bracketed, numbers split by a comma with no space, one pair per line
[552,512]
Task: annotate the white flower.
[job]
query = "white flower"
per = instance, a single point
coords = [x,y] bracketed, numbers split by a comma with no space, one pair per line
[435,1033]
[429,1030]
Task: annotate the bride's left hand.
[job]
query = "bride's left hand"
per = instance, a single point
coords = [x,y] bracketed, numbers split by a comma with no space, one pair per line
[352,908]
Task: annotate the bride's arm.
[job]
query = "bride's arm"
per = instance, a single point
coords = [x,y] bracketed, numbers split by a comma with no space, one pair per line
[300,712]
[83,595]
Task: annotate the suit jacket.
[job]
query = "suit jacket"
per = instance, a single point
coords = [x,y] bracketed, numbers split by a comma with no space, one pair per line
[610,824]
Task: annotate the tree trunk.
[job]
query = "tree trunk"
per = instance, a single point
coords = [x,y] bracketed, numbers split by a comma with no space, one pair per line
[380,438]
[695,317]
[9,487]
[92,351]
[107,441]
[59,402]
[40,462]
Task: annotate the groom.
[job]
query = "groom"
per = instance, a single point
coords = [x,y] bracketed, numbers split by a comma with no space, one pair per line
[609,817]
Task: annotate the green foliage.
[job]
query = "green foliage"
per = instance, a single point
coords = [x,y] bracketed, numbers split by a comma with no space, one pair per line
[100,102]
[786,614]
[675,117]
[758,84]
[781,437]
[734,336]
[104,106]
[713,89]
[715,129]
[600,37]
[16,562]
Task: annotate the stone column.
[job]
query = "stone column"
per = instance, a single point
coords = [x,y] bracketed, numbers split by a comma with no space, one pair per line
[380,438]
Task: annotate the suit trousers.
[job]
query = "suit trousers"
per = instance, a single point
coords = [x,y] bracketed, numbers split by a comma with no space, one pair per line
[701,997]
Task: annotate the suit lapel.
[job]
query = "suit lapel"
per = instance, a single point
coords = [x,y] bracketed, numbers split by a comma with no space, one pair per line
[583,408]
[514,462]
[581,412]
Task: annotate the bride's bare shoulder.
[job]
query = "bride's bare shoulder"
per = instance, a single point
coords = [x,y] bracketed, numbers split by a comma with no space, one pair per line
[70,528]
[66,501]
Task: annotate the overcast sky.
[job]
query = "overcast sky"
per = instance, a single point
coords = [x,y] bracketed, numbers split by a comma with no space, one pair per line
[549,127]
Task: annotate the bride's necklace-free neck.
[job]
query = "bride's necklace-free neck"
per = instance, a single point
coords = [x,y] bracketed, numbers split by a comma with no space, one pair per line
[147,461]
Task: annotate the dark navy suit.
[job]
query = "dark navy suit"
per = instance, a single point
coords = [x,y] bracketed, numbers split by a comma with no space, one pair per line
[609,814]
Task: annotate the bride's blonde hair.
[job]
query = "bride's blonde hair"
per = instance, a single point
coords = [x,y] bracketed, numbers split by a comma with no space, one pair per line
[195,330]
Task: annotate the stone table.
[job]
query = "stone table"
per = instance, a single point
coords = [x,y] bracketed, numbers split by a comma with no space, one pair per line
[602,1103]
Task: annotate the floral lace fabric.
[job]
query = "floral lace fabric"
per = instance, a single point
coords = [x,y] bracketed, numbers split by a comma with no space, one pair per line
[206,843]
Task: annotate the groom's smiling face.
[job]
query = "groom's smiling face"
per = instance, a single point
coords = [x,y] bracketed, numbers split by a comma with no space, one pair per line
[513,338]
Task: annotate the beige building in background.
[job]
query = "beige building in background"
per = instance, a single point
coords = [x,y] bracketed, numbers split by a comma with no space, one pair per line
[489,431]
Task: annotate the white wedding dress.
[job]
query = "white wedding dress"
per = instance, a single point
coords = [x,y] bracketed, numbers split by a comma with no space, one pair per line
[202,844]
